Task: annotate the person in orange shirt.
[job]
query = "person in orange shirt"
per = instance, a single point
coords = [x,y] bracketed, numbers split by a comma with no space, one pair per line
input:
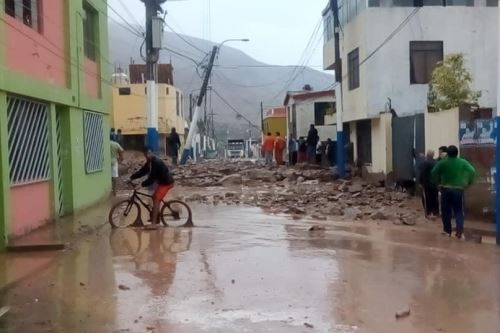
[267,148]
[279,147]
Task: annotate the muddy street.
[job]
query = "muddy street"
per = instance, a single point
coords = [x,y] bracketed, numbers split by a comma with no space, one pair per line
[244,270]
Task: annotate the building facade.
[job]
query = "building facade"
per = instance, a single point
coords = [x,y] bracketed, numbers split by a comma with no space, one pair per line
[130,101]
[275,121]
[389,49]
[54,156]
[306,108]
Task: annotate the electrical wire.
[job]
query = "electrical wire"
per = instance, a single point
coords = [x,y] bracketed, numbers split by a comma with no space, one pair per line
[131,15]
[177,53]
[122,18]
[184,39]
[234,109]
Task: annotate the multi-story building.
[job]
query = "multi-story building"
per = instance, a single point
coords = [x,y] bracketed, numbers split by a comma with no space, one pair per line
[129,106]
[54,156]
[389,49]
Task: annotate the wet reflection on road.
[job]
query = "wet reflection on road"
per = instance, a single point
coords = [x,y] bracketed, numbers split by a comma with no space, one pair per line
[242,270]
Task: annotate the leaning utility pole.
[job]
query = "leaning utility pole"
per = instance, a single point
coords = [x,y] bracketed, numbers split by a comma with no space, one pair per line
[197,111]
[154,29]
[497,152]
[334,7]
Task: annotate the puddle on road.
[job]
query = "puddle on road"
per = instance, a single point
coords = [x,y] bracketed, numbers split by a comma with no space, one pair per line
[244,271]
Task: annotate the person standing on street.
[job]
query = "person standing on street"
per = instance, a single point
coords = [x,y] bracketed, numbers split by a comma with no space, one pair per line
[173,145]
[119,137]
[312,143]
[279,148]
[112,135]
[116,158]
[430,193]
[267,148]
[331,152]
[453,175]
[302,156]
[292,150]
[442,153]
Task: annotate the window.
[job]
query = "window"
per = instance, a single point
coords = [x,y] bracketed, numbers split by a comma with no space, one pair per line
[177,103]
[93,141]
[28,11]
[89,32]
[328,26]
[322,109]
[423,59]
[492,3]
[353,68]
[124,91]
[28,143]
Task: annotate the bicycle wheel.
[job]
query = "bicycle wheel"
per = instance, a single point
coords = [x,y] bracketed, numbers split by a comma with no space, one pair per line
[176,213]
[124,213]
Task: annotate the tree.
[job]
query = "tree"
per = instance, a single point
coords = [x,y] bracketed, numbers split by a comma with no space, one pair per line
[450,85]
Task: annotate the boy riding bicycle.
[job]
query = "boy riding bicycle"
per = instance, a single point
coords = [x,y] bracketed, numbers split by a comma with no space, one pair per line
[158,175]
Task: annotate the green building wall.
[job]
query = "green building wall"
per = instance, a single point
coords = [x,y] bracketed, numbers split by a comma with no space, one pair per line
[80,189]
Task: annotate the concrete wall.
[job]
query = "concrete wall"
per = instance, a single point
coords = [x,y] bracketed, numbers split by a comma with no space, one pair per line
[129,111]
[382,144]
[387,73]
[441,129]
[305,117]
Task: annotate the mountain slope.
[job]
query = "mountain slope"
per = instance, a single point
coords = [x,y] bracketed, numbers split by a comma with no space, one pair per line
[243,81]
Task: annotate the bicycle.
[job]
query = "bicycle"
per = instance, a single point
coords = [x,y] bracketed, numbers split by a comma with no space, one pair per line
[128,213]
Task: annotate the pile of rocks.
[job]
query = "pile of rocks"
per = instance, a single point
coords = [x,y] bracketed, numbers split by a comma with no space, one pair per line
[301,191]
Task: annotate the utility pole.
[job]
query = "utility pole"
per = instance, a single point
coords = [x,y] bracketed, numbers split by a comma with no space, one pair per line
[334,6]
[197,111]
[262,116]
[190,107]
[154,29]
[497,152]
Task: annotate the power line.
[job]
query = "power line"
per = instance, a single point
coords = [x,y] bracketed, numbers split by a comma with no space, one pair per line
[130,15]
[197,63]
[184,39]
[122,18]
[381,45]
[234,109]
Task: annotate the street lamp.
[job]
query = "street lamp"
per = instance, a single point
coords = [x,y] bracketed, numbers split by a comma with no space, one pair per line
[234,40]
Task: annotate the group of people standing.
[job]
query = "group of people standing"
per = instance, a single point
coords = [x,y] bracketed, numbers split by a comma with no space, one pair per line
[305,149]
[273,145]
[445,178]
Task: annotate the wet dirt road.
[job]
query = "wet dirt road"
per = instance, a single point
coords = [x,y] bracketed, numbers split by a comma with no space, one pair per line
[242,270]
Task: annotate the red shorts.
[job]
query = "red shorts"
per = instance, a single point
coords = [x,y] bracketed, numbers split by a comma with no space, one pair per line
[160,192]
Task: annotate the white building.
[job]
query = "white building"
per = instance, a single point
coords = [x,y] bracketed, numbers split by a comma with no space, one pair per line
[389,49]
[311,107]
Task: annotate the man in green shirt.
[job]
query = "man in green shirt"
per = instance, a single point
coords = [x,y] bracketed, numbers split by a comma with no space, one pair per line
[453,175]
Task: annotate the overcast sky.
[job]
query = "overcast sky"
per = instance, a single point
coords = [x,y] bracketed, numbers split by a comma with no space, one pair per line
[279,30]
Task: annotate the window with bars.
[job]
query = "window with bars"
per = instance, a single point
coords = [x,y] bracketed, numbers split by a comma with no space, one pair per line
[28,11]
[94,141]
[89,32]
[27,140]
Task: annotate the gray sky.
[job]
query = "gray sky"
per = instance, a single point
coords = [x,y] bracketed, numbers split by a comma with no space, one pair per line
[279,30]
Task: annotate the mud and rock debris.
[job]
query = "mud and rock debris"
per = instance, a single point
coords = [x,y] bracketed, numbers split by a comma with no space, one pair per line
[303,191]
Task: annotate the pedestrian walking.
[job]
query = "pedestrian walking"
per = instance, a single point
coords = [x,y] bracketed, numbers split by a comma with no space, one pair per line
[119,137]
[312,143]
[173,145]
[116,158]
[292,150]
[302,156]
[267,148]
[112,134]
[453,175]
[279,148]
[430,193]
